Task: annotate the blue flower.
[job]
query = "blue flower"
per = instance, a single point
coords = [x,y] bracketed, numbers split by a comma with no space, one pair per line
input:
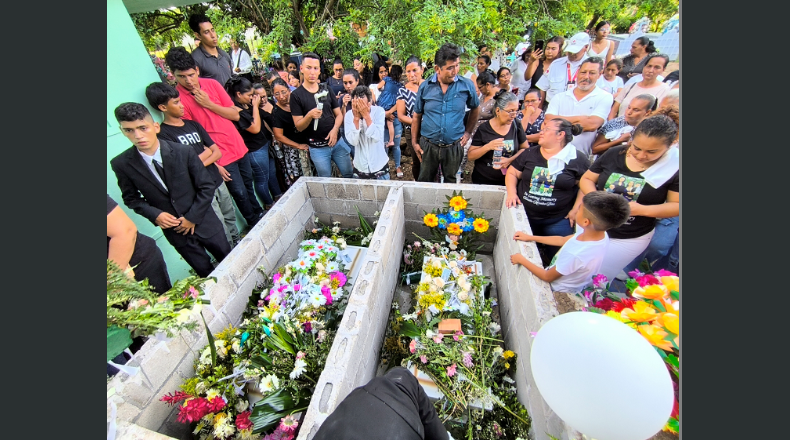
[442,221]
[456,216]
[244,337]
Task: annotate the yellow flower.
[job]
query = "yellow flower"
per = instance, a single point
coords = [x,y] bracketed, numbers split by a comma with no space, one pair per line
[220,418]
[507,365]
[655,336]
[671,306]
[508,354]
[480,224]
[671,283]
[619,317]
[670,321]
[430,220]
[655,291]
[458,203]
[453,229]
[642,312]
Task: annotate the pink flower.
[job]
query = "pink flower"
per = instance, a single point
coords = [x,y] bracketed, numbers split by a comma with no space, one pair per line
[413,345]
[192,292]
[451,370]
[288,423]
[417,244]
[647,280]
[339,277]
[423,359]
[327,294]
[276,277]
[281,288]
[299,354]
[216,404]
[457,334]
[438,338]
[261,303]
[635,273]
[600,281]
[193,410]
[467,359]
[173,398]
[243,421]
[297,287]
[664,273]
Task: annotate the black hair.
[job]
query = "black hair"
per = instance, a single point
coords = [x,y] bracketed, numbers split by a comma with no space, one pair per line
[595,60]
[311,55]
[486,77]
[278,65]
[658,126]
[131,111]
[663,56]
[617,62]
[362,91]
[396,72]
[378,65]
[644,41]
[160,93]
[485,58]
[559,40]
[352,72]
[569,129]
[292,62]
[672,112]
[652,101]
[606,210]
[294,75]
[195,20]
[525,54]
[237,84]
[534,90]
[279,82]
[271,74]
[256,86]
[337,61]
[413,59]
[448,52]
[178,59]
[601,24]
[499,72]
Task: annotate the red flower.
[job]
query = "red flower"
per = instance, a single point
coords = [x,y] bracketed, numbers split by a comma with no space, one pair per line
[173,398]
[605,304]
[624,303]
[194,410]
[243,421]
[647,280]
[216,404]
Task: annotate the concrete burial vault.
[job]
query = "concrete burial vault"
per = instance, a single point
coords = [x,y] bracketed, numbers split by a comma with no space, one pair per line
[525,302]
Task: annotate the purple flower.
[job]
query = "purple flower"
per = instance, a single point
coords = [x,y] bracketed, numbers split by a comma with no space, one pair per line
[308,328]
[261,304]
[635,273]
[467,359]
[438,338]
[664,273]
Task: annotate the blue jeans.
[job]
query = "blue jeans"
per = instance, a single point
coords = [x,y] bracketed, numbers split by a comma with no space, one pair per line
[340,153]
[265,173]
[395,150]
[241,189]
[547,228]
[342,134]
[664,243]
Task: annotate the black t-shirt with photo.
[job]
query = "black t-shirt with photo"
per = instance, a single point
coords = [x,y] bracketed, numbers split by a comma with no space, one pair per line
[194,135]
[611,168]
[484,172]
[283,120]
[303,101]
[545,196]
[254,142]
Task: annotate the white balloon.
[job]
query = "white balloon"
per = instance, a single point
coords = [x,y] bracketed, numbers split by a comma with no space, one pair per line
[601,377]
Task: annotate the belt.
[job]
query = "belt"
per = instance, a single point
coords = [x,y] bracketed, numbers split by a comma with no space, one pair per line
[373,175]
[439,144]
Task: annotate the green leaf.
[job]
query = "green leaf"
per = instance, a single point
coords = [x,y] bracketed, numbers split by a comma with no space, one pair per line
[674,424]
[278,342]
[268,412]
[410,330]
[631,284]
[675,295]
[671,359]
[657,304]
[211,345]
[261,361]
[118,340]
[283,333]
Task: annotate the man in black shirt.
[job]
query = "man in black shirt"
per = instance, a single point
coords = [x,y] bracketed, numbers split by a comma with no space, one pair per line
[320,125]
[213,62]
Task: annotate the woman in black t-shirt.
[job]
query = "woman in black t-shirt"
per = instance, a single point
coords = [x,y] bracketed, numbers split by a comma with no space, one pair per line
[545,180]
[498,134]
[256,137]
[295,149]
[654,193]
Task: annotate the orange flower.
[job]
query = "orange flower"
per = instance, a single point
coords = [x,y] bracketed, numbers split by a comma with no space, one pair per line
[655,336]
[670,321]
[671,283]
[453,229]
[642,312]
[430,220]
[655,291]
[458,203]
[480,224]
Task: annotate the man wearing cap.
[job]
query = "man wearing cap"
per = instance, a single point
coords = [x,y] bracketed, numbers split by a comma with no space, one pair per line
[562,72]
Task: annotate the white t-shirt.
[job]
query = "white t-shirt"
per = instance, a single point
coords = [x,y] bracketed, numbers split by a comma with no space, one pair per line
[610,86]
[596,103]
[556,81]
[578,261]
[627,94]
[517,69]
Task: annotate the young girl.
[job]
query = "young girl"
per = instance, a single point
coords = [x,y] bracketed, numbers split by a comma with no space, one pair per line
[293,80]
[610,82]
[389,87]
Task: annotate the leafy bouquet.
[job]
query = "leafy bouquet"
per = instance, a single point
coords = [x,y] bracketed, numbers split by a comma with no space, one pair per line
[449,283]
[653,310]
[454,224]
[134,309]
[359,236]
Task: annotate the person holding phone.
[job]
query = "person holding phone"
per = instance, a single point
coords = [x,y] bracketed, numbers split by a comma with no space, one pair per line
[519,81]
[540,60]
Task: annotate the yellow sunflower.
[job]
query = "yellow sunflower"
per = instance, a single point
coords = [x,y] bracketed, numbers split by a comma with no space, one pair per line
[481,225]
[458,203]
[453,229]
[430,220]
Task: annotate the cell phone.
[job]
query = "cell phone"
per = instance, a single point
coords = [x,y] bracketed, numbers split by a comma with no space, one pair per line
[539,45]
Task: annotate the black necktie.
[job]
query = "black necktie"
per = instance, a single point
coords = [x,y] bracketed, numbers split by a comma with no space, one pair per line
[159,170]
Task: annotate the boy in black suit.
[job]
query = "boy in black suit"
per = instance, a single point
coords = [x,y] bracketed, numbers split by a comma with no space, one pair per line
[167,183]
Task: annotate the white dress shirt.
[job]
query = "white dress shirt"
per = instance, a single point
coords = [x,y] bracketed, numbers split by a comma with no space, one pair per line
[149,161]
[244,63]
[596,103]
[369,152]
[556,81]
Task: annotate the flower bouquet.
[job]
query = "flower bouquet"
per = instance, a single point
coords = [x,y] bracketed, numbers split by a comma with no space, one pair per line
[456,224]
[653,309]
[359,236]
[449,283]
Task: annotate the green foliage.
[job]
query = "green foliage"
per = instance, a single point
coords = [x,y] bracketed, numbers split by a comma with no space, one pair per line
[118,340]
[268,412]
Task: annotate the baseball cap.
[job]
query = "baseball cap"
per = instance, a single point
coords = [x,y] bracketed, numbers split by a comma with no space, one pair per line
[577,42]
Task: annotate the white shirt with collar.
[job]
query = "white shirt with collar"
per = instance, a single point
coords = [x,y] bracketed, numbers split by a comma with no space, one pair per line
[556,81]
[149,161]
[369,152]
[244,63]
[596,103]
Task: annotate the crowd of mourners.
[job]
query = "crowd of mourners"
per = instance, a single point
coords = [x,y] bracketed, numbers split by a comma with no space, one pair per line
[566,120]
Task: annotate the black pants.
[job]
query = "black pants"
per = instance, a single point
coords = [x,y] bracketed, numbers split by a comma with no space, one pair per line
[150,264]
[433,155]
[193,248]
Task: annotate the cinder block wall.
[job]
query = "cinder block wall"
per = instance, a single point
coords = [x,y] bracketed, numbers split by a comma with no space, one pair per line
[525,304]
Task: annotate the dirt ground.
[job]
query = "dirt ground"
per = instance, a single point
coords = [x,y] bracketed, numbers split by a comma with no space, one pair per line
[406,163]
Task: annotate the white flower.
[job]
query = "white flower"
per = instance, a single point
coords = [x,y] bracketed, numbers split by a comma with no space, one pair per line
[453,246]
[486,313]
[436,263]
[236,346]
[183,316]
[438,281]
[298,368]
[336,230]
[317,299]
[242,405]
[205,357]
[453,264]
[332,267]
[463,296]
[319,266]
[316,220]
[222,350]
[200,387]
[494,327]
[433,309]
[376,213]
[445,251]
[426,244]
[498,351]
[410,317]
[336,223]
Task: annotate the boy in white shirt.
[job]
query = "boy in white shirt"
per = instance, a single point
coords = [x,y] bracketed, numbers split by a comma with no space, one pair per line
[581,254]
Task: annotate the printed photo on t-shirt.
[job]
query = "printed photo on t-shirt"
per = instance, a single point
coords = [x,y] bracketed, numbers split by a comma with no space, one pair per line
[628,187]
[542,183]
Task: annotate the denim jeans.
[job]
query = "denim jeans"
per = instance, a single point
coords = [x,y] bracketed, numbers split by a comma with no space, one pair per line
[546,228]
[342,134]
[222,204]
[241,188]
[663,243]
[265,175]
[395,150]
[340,153]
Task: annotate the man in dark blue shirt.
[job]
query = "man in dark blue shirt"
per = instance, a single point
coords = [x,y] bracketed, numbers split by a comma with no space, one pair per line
[437,130]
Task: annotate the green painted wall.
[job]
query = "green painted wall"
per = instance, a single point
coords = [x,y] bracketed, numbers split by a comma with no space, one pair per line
[129,71]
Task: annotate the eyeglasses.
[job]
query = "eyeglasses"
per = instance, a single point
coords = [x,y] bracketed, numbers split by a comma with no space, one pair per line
[531,101]
[511,112]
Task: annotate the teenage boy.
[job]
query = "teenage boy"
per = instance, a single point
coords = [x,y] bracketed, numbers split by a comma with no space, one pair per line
[323,139]
[183,131]
[206,102]
[167,183]
[581,254]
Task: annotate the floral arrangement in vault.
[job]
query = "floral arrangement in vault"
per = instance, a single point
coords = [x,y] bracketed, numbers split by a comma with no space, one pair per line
[456,224]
